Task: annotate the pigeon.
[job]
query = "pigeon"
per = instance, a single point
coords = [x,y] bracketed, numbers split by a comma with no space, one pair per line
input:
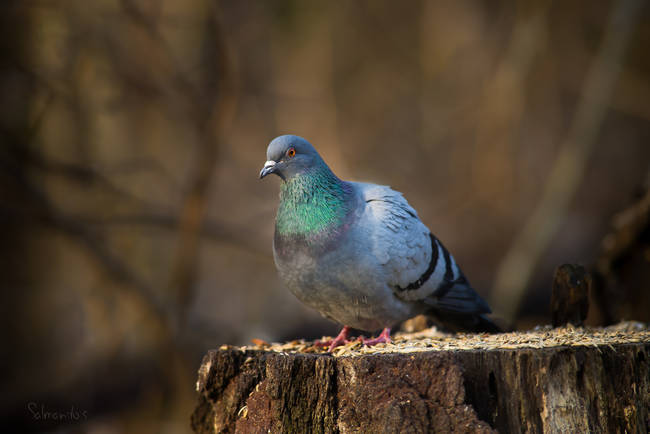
[358,253]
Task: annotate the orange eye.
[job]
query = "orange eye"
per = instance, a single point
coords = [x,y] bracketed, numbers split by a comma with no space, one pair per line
[291,152]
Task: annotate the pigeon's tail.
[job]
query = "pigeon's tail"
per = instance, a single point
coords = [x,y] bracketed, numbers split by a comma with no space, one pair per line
[474,323]
[460,308]
[466,323]
[485,324]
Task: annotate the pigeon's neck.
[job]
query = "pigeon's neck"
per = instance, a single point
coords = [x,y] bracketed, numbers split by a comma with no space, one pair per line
[312,203]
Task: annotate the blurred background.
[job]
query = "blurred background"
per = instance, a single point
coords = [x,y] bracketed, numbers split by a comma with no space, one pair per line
[138,235]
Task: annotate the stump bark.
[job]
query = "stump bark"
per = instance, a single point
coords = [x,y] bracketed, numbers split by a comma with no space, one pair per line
[563,380]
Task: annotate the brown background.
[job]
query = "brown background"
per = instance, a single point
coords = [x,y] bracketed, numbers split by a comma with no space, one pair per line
[137,234]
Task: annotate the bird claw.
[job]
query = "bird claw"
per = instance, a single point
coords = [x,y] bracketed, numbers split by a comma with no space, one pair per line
[332,343]
[341,339]
[383,338]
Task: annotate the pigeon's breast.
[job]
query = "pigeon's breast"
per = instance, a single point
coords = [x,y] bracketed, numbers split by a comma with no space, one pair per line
[339,279]
[303,259]
[307,269]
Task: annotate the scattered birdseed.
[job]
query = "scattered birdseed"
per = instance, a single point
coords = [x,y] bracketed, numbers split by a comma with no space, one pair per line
[433,340]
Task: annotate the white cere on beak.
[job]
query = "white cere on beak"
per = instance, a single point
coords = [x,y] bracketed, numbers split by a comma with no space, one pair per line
[268,168]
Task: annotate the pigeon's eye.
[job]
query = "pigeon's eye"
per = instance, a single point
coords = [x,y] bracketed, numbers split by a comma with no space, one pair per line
[291,152]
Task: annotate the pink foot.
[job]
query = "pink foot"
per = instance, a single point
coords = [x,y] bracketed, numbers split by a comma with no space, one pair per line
[383,338]
[341,339]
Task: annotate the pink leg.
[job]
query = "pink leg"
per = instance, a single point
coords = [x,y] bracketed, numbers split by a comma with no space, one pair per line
[341,339]
[383,338]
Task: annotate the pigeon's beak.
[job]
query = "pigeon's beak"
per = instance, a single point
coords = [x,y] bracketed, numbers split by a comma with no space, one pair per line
[269,167]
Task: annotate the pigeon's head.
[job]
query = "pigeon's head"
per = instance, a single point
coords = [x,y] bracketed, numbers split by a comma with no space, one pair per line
[288,156]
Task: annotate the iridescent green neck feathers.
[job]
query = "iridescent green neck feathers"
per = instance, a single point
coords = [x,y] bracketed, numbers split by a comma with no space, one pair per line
[312,202]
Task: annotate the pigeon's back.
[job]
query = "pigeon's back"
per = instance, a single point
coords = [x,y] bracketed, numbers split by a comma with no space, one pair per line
[417,266]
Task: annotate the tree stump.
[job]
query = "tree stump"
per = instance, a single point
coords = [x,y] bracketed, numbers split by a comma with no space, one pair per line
[549,380]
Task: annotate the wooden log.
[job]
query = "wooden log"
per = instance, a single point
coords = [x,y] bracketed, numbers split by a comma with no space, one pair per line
[560,380]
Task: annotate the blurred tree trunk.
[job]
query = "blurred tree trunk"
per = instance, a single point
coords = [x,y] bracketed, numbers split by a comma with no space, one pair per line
[623,269]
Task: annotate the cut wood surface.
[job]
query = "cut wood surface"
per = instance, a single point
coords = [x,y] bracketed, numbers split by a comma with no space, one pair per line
[547,380]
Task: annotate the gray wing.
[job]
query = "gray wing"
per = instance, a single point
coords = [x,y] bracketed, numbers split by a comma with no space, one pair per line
[416,265]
